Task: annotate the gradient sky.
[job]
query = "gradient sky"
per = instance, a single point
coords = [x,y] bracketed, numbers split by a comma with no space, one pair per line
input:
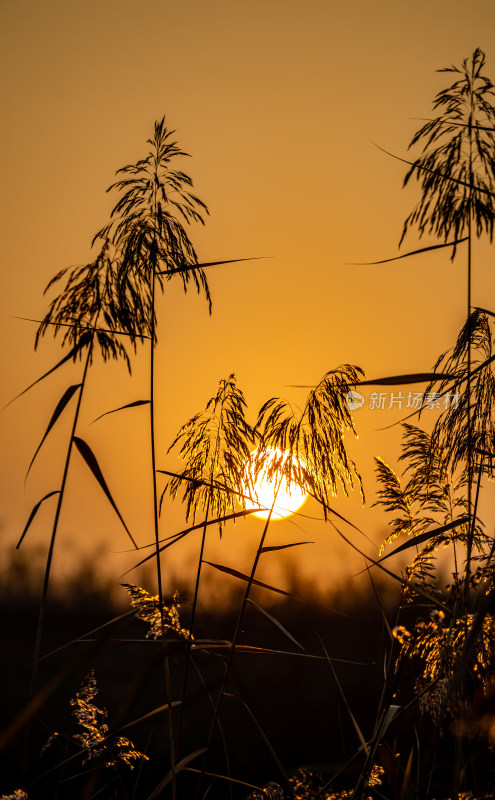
[279,103]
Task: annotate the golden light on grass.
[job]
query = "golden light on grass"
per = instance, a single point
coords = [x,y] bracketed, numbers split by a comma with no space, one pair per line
[264,484]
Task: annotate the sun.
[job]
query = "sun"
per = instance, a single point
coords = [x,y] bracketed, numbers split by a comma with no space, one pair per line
[287,502]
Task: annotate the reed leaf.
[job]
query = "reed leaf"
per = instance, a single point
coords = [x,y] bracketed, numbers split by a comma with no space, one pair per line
[392,380]
[90,459]
[72,354]
[281,546]
[182,764]
[276,623]
[453,243]
[176,536]
[265,739]
[121,408]
[206,264]
[64,400]
[33,513]
[243,577]
[424,537]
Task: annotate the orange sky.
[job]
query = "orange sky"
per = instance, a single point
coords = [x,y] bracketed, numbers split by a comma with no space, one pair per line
[279,103]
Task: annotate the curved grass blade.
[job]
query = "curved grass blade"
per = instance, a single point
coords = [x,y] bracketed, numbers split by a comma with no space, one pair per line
[454,385]
[150,714]
[92,463]
[361,738]
[64,400]
[181,534]
[395,380]
[423,537]
[282,546]
[85,636]
[433,600]
[336,513]
[236,574]
[435,172]
[215,484]
[33,514]
[121,408]
[206,264]
[225,778]
[411,253]
[382,612]
[85,327]
[264,737]
[178,768]
[485,311]
[71,354]
[474,125]
[414,377]
[266,651]
[276,622]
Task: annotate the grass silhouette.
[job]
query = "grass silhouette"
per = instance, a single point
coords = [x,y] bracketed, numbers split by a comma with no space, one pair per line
[186,684]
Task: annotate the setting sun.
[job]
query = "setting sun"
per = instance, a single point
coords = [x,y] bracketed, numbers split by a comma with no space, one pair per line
[287,502]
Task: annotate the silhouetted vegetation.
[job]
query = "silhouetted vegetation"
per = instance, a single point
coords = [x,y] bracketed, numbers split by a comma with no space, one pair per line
[370,693]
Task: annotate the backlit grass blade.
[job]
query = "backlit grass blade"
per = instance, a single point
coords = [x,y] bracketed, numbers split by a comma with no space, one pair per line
[339,516]
[92,463]
[196,527]
[436,172]
[431,598]
[226,778]
[64,400]
[423,537]
[33,514]
[144,717]
[182,764]
[192,267]
[282,546]
[215,484]
[71,354]
[361,738]
[382,612]
[121,408]
[264,737]
[78,326]
[486,311]
[454,385]
[276,622]
[252,650]
[414,377]
[411,253]
[395,380]
[85,636]
[236,574]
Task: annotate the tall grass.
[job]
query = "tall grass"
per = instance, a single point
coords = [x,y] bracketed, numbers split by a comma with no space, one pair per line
[438,657]
[456,171]
[88,316]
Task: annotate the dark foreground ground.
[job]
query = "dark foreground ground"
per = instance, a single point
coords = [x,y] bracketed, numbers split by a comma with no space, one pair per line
[282,712]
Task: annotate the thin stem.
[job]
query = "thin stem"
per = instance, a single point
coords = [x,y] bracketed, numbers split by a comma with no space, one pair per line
[468,387]
[235,640]
[193,618]
[156,532]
